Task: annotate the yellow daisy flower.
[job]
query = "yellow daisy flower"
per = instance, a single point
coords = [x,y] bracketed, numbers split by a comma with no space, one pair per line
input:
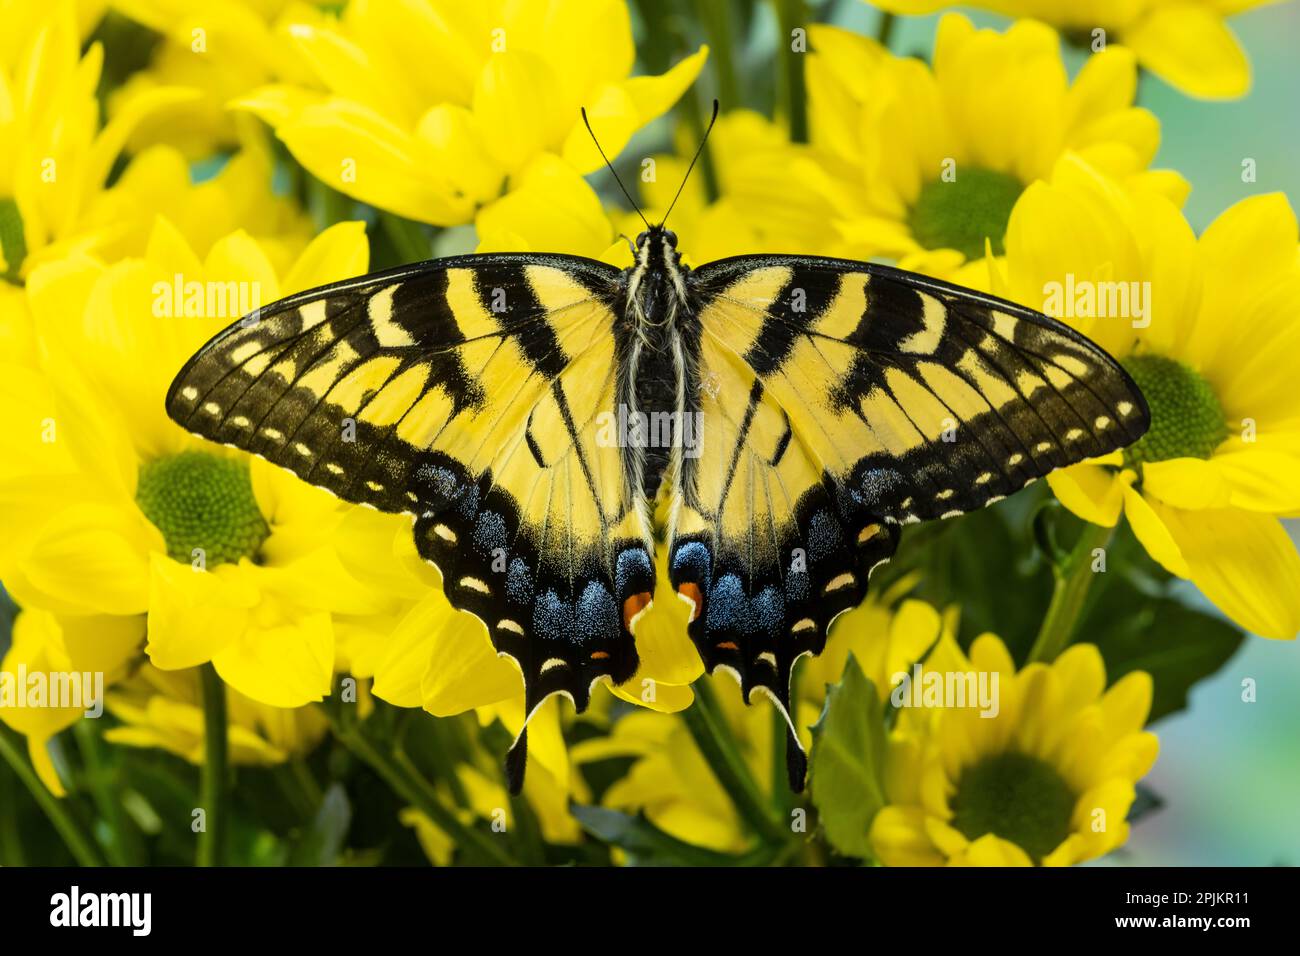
[117,222]
[925,164]
[1049,780]
[164,709]
[116,511]
[1187,44]
[1208,329]
[54,156]
[220,51]
[672,782]
[435,145]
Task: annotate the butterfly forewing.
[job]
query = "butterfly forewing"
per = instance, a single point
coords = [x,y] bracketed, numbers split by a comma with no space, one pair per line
[468,394]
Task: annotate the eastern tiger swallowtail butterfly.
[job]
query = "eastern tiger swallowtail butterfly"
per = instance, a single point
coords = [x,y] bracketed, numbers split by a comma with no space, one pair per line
[529,410]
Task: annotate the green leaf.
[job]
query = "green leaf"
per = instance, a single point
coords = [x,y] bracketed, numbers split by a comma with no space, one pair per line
[848,761]
[1177,645]
[647,845]
[987,563]
[322,844]
[12,241]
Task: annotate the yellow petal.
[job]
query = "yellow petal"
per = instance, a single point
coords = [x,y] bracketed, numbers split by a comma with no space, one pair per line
[899,838]
[511,104]
[1188,483]
[340,252]
[619,110]
[1244,562]
[992,850]
[284,665]
[1260,478]
[1126,704]
[1190,47]
[1092,492]
[549,208]
[450,139]
[363,154]
[94,556]
[1154,535]
[193,614]
[461,670]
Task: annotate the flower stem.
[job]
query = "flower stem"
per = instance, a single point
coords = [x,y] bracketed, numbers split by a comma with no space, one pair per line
[885,29]
[1074,577]
[713,737]
[792,98]
[121,844]
[408,237]
[216,761]
[407,783]
[717,24]
[77,842]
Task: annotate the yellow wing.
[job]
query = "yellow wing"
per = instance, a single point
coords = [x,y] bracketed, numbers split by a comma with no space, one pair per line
[839,401]
[467,393]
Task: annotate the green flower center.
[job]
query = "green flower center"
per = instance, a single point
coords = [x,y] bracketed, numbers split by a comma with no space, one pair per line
[1186,418]
[961,213]
[1019,798]
[199,500]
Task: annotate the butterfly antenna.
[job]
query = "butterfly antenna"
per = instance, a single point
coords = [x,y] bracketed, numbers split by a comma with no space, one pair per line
[700,149]
[587,123]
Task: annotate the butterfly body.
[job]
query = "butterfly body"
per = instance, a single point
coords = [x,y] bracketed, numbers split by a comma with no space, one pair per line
[530,412]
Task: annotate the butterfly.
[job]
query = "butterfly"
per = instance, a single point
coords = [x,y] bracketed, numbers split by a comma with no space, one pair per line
[763,425]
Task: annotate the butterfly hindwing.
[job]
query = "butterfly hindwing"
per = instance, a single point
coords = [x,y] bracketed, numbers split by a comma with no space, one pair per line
[466,393]
[841,400]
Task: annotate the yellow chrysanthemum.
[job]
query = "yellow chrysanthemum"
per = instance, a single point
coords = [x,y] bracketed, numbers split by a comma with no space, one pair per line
[1049,780]
[164,709]
[220,51]
[435,145]
[673,784]
[109,508]
[117,222]
[1210,334]
[925,164]
[1186,43]
[54,156]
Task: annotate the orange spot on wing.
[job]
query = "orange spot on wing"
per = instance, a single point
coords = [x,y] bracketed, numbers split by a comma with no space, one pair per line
[599,655]
[727,646]
[691,591]
[634,605]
